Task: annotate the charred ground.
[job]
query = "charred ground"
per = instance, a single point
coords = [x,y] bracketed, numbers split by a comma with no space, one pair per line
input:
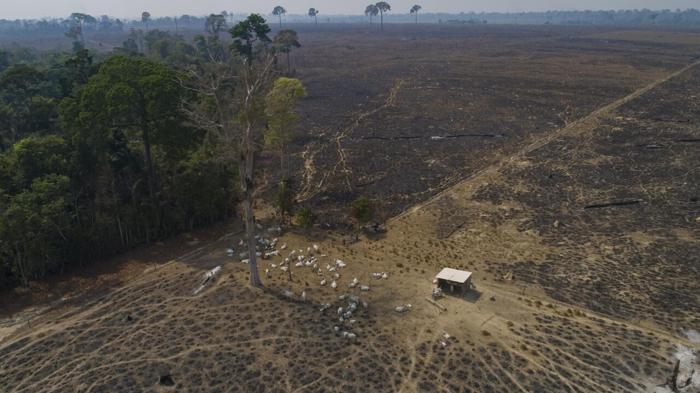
[400,116]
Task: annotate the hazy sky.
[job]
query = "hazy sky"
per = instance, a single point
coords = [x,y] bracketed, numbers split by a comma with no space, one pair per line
[10,9]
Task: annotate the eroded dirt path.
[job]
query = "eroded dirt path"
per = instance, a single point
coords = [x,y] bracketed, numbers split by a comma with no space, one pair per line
[341,168]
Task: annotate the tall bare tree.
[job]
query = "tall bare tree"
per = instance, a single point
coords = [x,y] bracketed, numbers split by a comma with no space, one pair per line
[232,90]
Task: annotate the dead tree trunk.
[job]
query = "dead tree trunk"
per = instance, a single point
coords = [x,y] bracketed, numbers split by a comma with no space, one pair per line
[289,62]
[246,167]
[672,382]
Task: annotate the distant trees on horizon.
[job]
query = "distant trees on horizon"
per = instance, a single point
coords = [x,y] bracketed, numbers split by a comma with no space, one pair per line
[84,23]
[313,12]
[371,11]
[414,11]
[383,7]
[279,11]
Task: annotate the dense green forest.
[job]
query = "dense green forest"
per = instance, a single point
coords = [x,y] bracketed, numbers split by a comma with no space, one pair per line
[102,153]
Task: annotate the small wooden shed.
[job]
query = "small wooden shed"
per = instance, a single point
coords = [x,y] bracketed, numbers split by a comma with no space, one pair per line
[453,280]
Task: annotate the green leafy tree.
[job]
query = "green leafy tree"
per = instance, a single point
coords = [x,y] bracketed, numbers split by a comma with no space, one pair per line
[76,190]
[285,40]
[24,107]
[362,210]
[284,200]
[80,68]
[167,47]
[5,60]
[34,225]
[305,218]
[37,156]
[249,33]
[282,118]
[140,97]
[201,187]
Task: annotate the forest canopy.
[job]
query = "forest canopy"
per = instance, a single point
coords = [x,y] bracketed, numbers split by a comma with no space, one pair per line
[100,153]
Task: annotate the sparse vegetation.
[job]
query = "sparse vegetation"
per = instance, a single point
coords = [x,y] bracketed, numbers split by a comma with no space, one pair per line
[306,218]
[362,210]
[284,201]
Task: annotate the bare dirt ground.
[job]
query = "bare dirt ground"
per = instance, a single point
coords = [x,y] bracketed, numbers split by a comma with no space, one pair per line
[584,240]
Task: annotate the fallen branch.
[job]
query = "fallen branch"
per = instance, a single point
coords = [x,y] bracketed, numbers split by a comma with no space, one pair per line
[436,304]
[672,381]
[434,137]
[208,278]
[455,229]
[611,204]
[652,146]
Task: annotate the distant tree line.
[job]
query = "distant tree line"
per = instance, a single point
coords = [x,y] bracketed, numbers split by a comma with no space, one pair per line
[105,23]
[637,17]
[102,154]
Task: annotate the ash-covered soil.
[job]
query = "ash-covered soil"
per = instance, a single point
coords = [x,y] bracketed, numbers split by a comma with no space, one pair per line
[401,115]
[620,208]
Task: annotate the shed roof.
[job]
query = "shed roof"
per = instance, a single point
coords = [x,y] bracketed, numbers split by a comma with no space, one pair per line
[454,275]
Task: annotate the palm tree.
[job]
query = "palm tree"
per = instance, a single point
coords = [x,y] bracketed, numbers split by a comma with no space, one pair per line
[286,40]
[371,11]
[415,9]
[145,18]
[279,11]
[312,13]
[383,7]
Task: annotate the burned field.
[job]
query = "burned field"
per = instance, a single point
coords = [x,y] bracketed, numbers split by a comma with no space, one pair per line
[619,206]
[558,165]
[400,116]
